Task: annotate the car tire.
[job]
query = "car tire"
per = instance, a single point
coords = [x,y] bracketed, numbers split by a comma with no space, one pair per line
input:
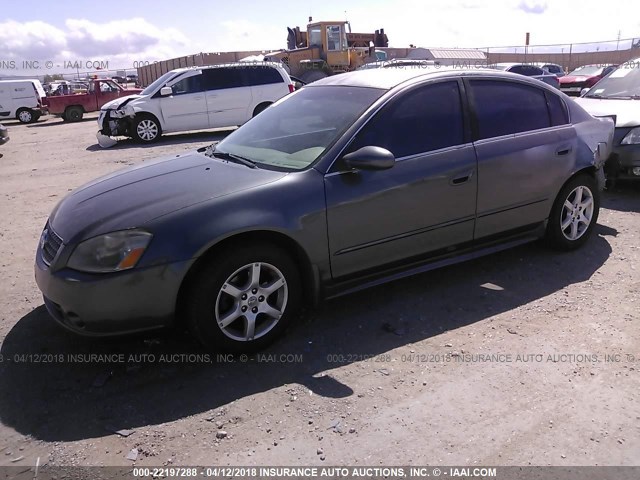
[146,129]
[261,108]
[574,213]
[25,115]
[73,114]
[248,285]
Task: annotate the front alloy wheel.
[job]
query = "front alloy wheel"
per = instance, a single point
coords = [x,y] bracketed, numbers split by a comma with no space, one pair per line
[251,301]
[146,129]
[241,299]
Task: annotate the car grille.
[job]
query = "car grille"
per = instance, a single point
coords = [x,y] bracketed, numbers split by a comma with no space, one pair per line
[50,243]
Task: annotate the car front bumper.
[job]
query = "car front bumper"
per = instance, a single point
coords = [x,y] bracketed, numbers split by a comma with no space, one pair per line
[111,304]
[622,161]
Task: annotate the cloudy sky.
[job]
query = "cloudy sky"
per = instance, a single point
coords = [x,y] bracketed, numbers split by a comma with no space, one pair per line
[122,33]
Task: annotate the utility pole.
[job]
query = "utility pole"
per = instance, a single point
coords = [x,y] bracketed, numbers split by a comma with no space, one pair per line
[618,43]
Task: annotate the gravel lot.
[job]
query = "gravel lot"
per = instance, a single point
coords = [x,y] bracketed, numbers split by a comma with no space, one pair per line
[527,357]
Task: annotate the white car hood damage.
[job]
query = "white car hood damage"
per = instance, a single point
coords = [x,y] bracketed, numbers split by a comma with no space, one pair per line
[627,112]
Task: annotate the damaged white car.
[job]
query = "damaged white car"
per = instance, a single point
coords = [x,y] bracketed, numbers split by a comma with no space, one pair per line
[194,98]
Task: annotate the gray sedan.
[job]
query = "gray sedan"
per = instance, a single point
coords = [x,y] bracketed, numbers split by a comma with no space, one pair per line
[352,181]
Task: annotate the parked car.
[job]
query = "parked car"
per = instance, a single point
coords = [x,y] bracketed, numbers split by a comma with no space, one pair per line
[4,136]
[119,79]
[528,70]
[132,78]
[584,77]
[554,68]
[22,99]
[618,96]
[351,181]
[194,99]
[101,91]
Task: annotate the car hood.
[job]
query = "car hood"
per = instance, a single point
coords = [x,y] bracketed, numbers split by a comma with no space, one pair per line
[575,78]
[134,196]
[627,112]
[120,102]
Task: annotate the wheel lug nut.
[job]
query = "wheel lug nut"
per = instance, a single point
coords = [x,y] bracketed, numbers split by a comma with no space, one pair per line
[254,309]
[244,296]
[261,298]
[254,291]
[244,309]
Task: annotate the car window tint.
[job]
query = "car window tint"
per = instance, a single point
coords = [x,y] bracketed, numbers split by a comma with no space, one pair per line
[557,110]
[422,120]
[257,75]
[219,78]
[191,84]
[504,108]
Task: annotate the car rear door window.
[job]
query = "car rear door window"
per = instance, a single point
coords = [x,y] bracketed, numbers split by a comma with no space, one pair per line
[425,119]
[557,110]
[259,75]
[220,78]
[506,108]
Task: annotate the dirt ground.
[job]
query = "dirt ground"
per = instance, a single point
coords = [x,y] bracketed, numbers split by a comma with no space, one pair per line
[527,357]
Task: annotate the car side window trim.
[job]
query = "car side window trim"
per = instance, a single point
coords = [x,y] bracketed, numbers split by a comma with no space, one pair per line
[474,117]
[389,102]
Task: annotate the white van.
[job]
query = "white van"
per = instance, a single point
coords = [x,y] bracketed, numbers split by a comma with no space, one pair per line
[195,98]
[22,99]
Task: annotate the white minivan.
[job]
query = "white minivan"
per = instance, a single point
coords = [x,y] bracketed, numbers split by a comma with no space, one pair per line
[22,99]
[195,98]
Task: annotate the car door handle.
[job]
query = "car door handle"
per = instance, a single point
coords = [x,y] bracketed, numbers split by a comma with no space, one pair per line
[563,151]
[198,98]
[460,179]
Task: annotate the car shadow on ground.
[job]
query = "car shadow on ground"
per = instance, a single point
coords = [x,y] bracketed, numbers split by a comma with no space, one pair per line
[171,139]
[51,389]
[623,197]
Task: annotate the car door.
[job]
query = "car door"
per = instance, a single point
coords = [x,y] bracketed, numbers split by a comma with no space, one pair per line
[524,144]
[186,107]
[267,85]
[228,96]
[425,203]
[108,90]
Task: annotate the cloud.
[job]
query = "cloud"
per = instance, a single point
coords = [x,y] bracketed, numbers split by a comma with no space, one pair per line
[31,40]
[119,43]
[528,6]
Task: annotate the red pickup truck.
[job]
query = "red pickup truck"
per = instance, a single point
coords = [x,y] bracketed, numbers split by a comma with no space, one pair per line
[73,107]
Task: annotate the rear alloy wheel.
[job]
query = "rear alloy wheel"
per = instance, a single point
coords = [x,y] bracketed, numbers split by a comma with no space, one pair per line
[574,214]
[73,114]
[25,115]
[146,129]
[243,300]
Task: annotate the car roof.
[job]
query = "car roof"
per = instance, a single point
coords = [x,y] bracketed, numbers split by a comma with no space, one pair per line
[388,78]
[232,64]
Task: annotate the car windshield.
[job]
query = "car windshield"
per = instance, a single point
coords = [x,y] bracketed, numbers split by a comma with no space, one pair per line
[295,132]
[621,83]
[587,70]
[160,81]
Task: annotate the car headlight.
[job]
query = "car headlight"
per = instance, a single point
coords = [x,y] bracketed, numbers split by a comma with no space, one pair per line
[111,252]
[632,138]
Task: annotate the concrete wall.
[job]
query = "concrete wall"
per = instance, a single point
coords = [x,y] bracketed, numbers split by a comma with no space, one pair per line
[569,61]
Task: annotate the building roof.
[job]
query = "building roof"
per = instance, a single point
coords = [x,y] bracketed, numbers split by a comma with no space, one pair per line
[469,54]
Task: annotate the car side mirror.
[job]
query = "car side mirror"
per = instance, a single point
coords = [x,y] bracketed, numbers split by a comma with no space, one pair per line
[165,91]
[297,85]
[370,158]
[584,91]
